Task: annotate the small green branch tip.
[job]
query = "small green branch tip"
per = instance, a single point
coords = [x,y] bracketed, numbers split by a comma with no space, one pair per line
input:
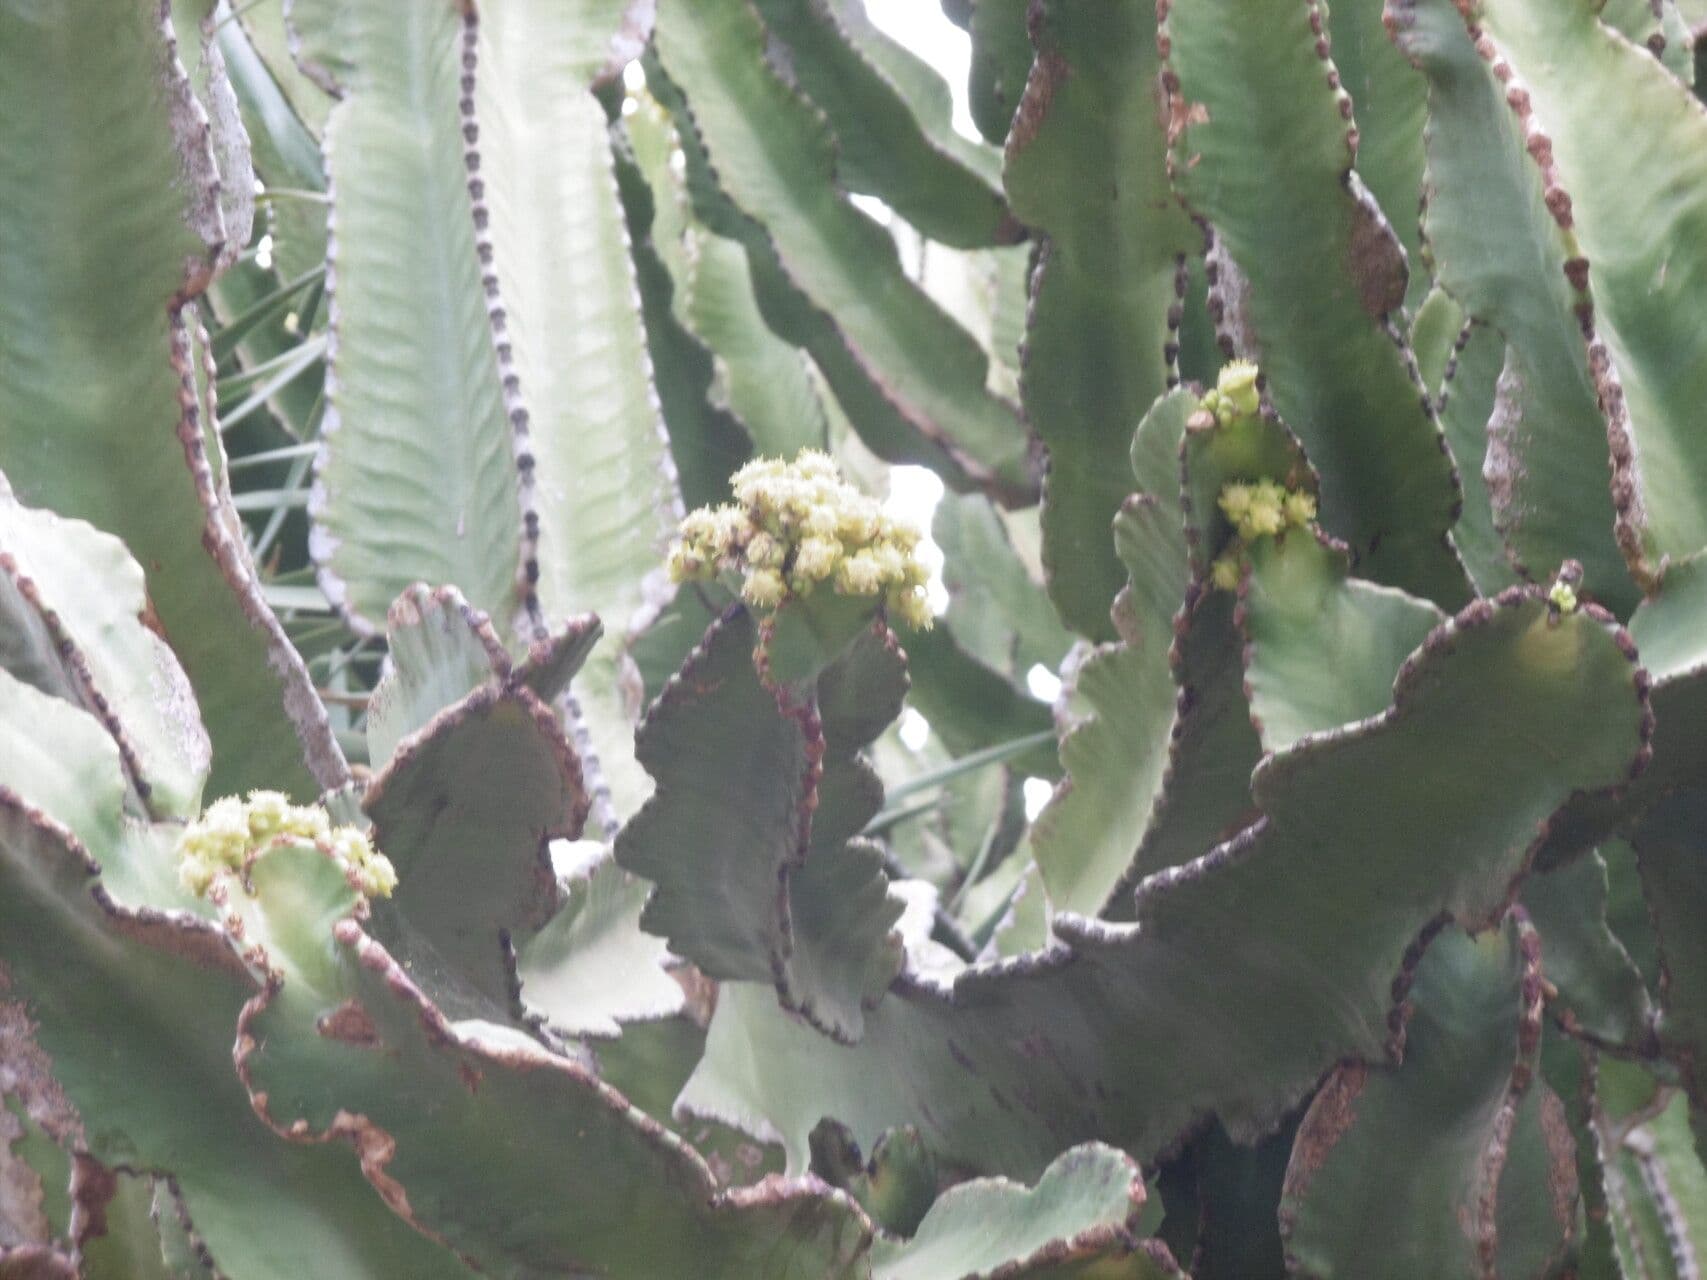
[795,526]
[1260,509]
[232,833]
[1235,393]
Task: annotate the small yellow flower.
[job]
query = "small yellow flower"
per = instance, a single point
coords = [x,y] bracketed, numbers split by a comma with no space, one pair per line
[891,563]
[197,871]
[686,565]
[731,529]
[817,464]
[1264,521]
[822,522]
[370,870]
[1266,515]
[1562,597]
[764,589]
[699,528]
[816,558]
[1237,385]
[860,522]
[268,812]
[1261,509]
[1300,509]
[911,607]
[764,551]
[906,537]
[859,575]
[307,822]
[1236,501]
[230,832]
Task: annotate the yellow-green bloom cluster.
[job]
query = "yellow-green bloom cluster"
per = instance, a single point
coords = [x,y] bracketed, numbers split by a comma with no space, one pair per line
[231,832]
[1234,395]
[1264,509]
[795,526]
[1260,509]
[1563,597]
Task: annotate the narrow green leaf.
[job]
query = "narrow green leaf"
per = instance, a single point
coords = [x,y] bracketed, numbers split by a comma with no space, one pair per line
[287,158]
[982,759]
[308,92]
[267,307]
[296,362]
[970,705]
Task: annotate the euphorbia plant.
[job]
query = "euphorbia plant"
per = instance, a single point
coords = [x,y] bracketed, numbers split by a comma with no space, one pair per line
[490,784]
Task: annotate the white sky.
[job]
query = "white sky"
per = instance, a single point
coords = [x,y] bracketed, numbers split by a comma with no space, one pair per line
[920,26]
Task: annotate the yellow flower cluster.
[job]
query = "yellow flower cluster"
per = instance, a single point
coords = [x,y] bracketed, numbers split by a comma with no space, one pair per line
[1234,395]
[230,832]
[797,525]
[1262,509]
[1563,596]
